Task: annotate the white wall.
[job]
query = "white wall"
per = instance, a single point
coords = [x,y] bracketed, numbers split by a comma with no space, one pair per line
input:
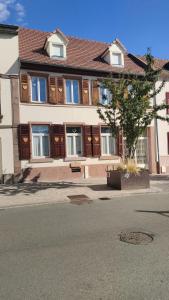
[59,114]
[6,105]
[7,151]
[163,127]
[9,54]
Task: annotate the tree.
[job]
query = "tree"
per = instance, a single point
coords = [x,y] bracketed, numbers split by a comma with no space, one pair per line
[131,108]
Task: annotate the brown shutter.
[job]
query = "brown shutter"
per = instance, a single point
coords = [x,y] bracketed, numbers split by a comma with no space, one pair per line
[52,90]
[87,133]
[167,101]
[24,141]
[57,133]
[25,88]
[85,92]
[120,144]
[96,141]
[95,92]
[168,141]
[60,90]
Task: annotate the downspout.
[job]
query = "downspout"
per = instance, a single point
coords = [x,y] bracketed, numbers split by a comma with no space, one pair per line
[156,138]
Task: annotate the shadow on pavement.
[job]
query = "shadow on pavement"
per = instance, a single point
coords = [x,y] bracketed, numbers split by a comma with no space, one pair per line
[164,213]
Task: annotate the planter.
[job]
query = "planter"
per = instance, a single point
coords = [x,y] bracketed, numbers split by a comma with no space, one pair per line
[122,180]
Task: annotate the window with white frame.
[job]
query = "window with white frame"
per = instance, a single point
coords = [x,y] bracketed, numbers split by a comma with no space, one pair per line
[40,141]
[116,59]
[105,95]
[74,141]
[57,50]
[39,89]
[72,91]
[108,142]
[141,152]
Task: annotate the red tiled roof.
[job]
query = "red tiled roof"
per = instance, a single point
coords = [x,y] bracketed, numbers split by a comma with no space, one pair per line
[81,53]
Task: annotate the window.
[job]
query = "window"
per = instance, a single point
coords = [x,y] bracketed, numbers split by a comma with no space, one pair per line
[40,140]
[108,142]
[116,59]
[74,141]
[141,153]
[105,95]
[72,91]
[57,50]
[39,93]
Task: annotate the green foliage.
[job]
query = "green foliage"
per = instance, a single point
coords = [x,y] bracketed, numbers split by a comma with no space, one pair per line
[132,107]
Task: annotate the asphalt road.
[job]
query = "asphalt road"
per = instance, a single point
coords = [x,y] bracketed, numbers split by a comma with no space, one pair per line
[73,252]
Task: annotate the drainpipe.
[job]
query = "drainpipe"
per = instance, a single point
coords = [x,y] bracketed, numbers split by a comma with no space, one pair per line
[156,139]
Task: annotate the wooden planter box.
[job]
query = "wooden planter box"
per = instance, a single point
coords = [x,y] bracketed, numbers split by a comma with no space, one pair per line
[122,180]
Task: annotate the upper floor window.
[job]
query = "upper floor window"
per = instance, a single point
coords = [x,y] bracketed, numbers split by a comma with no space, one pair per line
[39,89]
[108,142]
[40,141]
[74,141]
[105,95]
[116,59]
[72,91]
[57,50]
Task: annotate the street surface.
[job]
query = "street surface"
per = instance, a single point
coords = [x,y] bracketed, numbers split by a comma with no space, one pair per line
[73,252]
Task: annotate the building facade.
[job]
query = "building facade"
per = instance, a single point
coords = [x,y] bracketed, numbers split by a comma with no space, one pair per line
[50,87]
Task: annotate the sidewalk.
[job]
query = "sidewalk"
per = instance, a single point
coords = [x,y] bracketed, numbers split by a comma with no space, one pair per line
[41,193]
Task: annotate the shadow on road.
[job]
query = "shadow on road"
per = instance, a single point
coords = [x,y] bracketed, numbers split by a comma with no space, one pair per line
[164,213]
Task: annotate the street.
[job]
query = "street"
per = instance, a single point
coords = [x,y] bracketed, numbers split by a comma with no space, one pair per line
[73,252]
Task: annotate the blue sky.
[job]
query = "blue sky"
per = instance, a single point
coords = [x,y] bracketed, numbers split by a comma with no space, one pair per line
[137,23]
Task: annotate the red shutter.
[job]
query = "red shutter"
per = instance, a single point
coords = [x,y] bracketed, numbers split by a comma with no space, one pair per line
[25,88]
[87,133]
[57,134]
[167,101]
[95,92]
[85,92]
[52,90]
[96,141]
[168,141]
[60,90]
[24,141]
[120,144]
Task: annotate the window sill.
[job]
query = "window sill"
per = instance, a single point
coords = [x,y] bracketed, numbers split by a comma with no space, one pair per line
[69,159]
[41,160]
[109,157]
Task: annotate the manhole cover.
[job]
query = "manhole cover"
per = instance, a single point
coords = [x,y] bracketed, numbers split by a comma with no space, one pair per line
[79,199]
[104,198]
[136,238]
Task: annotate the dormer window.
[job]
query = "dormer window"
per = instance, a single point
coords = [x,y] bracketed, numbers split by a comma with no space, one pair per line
[57,50]
[116,59]
[56,45]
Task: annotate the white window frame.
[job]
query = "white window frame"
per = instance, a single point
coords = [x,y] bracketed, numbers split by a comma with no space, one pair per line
[72,93]
[41,144]
[120,55]
[74,135]
[38,85]
[58,45]
[108,135]
[135,154]
[107,94]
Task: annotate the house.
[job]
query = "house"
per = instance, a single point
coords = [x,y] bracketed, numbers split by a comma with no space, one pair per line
[49,90]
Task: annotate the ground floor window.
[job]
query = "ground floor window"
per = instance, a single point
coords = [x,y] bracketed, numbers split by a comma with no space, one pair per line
[40,141]
[108,143]
[74,141]
[141,153]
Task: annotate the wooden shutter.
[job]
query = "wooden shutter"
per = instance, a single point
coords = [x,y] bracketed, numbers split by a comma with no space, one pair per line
[57,134]
[24,141]
[96,147]
[52,90]
[85,91]
[25,88]
[87,134]
[120,144]
[95,92]
[167,101]
[60,90]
